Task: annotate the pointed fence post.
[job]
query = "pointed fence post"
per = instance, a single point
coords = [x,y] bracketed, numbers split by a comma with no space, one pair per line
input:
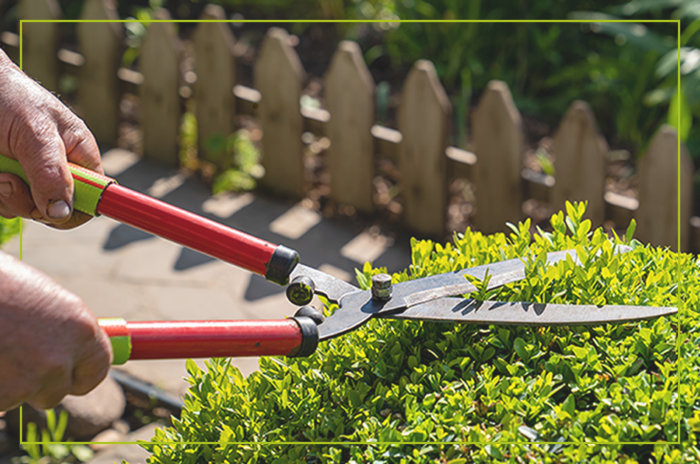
[39,41]
[278,77]
[579,161]
[159,93]
[498,143]
[349,93]
[423,119]
[98,93]
[658,191]
[216,75]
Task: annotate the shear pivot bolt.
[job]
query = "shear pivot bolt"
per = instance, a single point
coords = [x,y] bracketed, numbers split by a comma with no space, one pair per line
[381,287]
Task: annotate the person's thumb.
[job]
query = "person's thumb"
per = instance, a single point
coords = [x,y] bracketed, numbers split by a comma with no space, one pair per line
[50,181]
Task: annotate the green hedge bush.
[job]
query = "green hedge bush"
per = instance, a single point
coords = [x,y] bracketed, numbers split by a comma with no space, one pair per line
[414,387]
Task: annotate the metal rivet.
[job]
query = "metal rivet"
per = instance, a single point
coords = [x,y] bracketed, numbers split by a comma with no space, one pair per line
[381,287]
[301,290]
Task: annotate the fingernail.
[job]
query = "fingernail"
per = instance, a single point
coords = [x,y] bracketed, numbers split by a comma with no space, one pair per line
[58,210]
[5,189]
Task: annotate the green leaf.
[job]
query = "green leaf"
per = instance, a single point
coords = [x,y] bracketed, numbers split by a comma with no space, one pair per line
[569,405]
[51,420]
[364,281]
[679,108]
[192,367]
[520,347]
[580,353]
[629,233]
[494,452]
[60,430]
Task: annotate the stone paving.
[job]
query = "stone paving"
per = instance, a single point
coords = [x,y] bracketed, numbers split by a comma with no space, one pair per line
[123,272]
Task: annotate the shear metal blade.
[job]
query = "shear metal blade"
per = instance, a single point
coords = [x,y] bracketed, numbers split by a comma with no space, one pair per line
[520,313]
[356,307]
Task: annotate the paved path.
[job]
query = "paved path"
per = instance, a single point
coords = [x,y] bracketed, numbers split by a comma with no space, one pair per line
[120,271]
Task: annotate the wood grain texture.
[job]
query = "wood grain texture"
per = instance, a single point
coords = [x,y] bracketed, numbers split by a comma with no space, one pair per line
[580,157]
[499,146]
[101,44]
[657,216]
[278,77]
[423,119]
[160,102]
[216,75]
[40,41]
[349,92]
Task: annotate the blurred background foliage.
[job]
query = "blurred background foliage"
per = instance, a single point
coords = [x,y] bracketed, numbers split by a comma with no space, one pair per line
[625,71]
[9,228]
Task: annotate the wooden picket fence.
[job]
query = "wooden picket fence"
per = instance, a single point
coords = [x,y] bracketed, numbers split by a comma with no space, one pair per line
[419,144]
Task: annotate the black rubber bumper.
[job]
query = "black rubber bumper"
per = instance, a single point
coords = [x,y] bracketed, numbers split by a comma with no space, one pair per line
[281,265]
[309,337]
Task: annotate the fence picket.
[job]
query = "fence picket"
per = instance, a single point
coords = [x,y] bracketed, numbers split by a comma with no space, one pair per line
[278,77]
[498,143]
[419,147]
[40,41]
[98,92]
[216,76]
[160,101]
[579,160]
[423,120]
[658,191]
[349,92]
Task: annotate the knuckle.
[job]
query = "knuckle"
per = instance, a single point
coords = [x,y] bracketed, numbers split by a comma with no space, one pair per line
[76,130]
[38,147]
[85,323]
[30,132]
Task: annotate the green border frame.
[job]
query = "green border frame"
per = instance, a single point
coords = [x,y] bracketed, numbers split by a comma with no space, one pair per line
[409,443]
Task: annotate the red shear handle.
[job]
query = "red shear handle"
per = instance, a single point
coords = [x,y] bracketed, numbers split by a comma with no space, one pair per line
[98,194]
[201,234]
[210,339]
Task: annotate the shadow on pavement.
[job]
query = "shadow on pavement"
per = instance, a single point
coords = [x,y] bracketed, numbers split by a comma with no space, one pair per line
[189,258]
[318,246]
[122,235]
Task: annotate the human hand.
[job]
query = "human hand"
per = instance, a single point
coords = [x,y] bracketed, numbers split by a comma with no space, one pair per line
[50,343]
[42,134]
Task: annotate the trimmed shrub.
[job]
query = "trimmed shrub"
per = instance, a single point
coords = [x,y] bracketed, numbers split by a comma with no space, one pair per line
[454,393]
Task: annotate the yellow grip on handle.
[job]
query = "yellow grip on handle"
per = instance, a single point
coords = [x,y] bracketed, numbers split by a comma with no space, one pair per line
[88,185]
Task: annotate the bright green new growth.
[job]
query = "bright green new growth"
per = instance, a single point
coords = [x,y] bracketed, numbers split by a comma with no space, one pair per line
[44,446]
[9,228]
[479,386]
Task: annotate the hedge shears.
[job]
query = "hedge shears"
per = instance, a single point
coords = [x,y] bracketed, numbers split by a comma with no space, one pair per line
[434,298]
